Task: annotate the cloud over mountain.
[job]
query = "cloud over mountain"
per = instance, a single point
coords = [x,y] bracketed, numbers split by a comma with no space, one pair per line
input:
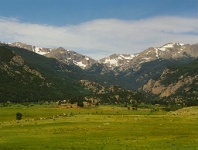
[99,38]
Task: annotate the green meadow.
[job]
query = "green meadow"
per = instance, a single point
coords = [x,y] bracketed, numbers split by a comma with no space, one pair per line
[99,128]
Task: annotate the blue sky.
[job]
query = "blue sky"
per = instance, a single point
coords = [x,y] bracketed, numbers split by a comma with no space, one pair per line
[99,27]
[63,12]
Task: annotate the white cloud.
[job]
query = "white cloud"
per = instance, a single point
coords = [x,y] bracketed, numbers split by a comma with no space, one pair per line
[99,38]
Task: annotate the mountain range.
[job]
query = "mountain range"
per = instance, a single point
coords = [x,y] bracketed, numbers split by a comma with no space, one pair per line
[118,61]
[130,71]
[60,72]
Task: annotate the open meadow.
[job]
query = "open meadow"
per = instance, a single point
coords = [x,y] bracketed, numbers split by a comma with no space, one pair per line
[99,128]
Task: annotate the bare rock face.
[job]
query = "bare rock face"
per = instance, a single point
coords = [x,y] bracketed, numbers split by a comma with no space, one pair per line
[17,60]
[182,82]
[71,57]
[154,87]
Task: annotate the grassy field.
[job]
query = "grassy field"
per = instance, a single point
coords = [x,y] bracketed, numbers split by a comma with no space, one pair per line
[101,128]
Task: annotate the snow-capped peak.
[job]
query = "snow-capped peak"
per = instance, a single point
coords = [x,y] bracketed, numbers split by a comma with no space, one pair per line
[124,57]
[39,50]
[180,44]
[169,45]
[111,61]
[117,60]
[36,49]
[87,58]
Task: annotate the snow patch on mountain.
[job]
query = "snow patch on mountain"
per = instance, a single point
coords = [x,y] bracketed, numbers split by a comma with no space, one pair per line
[157,53]
[110,61]
[87,58]
[80,64]
[169,45]
[117,60]
[122,57]
[165,47]
[39,51]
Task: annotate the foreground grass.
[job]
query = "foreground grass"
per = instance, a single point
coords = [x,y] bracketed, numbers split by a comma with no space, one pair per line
[104,127]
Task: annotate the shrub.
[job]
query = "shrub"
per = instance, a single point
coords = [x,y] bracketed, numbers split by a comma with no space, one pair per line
[18,116]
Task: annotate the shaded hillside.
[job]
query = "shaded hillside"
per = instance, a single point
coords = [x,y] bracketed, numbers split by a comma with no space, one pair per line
[137,79]
[178,84]
[26,76]
[132,79]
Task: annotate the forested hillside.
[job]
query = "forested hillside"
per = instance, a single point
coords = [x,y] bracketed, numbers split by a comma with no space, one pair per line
[29,77]
[26,76]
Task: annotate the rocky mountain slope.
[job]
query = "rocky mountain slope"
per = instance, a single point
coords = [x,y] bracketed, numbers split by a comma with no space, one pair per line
[32,73]
[178,84]
[71,57]
[167,51]
[110,94]
[29,77]
[119,61]
[38,50]
[133,71]
[130,71]
[61,54]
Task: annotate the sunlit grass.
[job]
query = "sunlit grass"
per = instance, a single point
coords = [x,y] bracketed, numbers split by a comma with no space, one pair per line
[104,127]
